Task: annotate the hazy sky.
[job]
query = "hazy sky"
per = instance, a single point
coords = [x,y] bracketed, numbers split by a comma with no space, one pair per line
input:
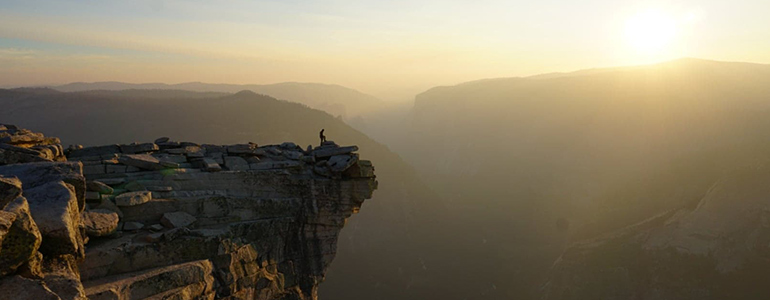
[391,49]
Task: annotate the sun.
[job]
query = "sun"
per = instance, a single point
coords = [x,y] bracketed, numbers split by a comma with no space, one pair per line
[651,32]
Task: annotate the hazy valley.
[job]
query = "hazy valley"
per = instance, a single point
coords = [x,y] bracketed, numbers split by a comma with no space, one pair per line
[498,188]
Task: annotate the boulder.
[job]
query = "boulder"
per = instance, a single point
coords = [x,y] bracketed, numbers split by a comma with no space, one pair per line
[47,152]
[168,145]
[242,149]
[98,186]
[186,150]
[288,146]
[167,158]
[135,186]
[208,164]
[214,148]
[167,282]
[161,140]
[93,196]
[115,169]
[169,164]
[132,226]
[113,181]
[63,279]
[138,148]
[274,151]
[156,227]
[328,152]
[142,161]
[33,268]
[340,163]
[20,288]
[217,157]
[10,188]
[109,205]
[100,222]
[55,210]
[93,151]
[23,138]
[67,287]
[10,154]
[293,155]
[329,144]
[308,159]
[192,151]
[6,220]
[35,174]
[133,198]
[22,237]
[177,219]
[153,237]
[236,163]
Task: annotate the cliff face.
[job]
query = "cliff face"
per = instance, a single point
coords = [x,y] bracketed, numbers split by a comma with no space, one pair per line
[169,220]
[717,249]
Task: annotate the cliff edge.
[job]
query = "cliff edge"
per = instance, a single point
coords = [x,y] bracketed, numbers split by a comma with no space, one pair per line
[172,220]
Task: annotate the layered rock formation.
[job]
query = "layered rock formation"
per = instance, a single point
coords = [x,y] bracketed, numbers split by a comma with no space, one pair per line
[170,220]
[717,249]
[42,198]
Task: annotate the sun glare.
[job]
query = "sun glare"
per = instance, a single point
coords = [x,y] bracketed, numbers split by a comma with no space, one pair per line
[651,32]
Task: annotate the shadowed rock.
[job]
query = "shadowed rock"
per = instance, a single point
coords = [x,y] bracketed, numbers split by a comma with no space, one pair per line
[100,222]
[10,188]
[133,198]
[138,148]
[55,210]
[36,174]
[177,219]
[20,288]
[97,186]
[327,152]
[142,161]
[22,238]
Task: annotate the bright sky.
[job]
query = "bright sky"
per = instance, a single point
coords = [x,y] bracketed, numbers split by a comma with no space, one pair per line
[391,49]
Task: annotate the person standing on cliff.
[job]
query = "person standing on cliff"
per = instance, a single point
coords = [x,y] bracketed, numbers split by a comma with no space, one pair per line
[322,136]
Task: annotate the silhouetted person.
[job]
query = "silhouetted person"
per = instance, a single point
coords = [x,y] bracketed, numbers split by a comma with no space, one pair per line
[322,136]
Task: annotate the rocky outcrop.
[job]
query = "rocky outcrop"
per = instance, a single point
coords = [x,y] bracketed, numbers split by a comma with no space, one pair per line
[716,249]
[173,220]
[23,146]
[42,197]
[21,237]
[100,222]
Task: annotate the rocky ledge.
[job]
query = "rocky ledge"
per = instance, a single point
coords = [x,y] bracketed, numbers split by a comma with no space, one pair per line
[172,220]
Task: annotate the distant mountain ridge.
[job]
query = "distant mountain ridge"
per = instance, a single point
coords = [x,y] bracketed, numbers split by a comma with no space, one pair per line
[687,61]
[335,99]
